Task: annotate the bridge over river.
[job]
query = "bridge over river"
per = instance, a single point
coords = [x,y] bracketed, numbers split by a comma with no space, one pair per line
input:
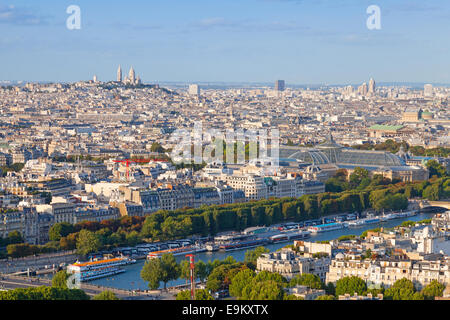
[441,204]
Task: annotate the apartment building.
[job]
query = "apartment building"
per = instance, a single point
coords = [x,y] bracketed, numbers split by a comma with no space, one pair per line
[257,187]
[289,264]
[33,226]
[95,214]
[62,212]
[305,292]
[253,186]
[387,270]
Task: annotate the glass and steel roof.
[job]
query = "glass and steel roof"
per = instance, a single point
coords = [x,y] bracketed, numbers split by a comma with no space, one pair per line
[342,156]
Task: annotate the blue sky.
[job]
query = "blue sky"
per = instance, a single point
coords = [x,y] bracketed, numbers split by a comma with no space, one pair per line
[301,41]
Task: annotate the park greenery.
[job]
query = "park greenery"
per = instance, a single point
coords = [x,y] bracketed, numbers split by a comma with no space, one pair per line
[393,147]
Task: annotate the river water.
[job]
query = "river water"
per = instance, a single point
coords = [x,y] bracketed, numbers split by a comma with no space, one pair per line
[131,279]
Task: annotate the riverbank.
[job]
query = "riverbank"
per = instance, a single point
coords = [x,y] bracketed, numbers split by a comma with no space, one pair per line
[131,279]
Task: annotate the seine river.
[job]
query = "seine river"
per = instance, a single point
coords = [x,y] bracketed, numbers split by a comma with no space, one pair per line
[131,279]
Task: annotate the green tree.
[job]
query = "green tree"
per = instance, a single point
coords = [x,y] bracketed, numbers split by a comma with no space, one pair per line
[402,289]
[132,238]
[432,192]
[266,275]
[185,270]
[326,297]
[357,176]
[213,285]
[69,242]
[252,255]
[60,230]
[59,280]
[436,169]
[160,270]
[310,280]
[201,270]
[14,237]
[106,295]
[200,294]
[350,285]
[240,281]
[292,297]
[330,289]
[432,290]
[87,242]
[152,272]
[170,267]
[21,250]
[44,293]
[264,290]
[156,147]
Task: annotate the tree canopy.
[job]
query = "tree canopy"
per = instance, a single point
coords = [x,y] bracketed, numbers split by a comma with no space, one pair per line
[163,270]
[106,295]
[350,285]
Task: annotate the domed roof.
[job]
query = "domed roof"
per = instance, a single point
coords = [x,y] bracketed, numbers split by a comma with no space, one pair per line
[340,256]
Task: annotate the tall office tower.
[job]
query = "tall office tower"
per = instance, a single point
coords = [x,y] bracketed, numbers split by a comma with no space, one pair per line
[119,74]
[95,78]
[363,89]
[132,76]
[428,90]
[194,90]
[348,90]
[280,85]
[372,86]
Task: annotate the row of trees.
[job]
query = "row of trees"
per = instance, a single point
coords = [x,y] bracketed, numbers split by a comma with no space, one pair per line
[44,293]
[164,225]
[166,269]
[434,189]
[25,249]
[393,147]
[13,238]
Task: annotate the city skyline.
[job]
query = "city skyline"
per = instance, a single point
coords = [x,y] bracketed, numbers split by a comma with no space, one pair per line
[237,41]
[132,79]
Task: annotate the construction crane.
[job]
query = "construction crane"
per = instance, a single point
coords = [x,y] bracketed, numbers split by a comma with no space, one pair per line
[128,161]
[192,271]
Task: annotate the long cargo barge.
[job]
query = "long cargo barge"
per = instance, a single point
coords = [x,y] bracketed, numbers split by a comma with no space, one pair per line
[288,236]
[176,251]
[236,245]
